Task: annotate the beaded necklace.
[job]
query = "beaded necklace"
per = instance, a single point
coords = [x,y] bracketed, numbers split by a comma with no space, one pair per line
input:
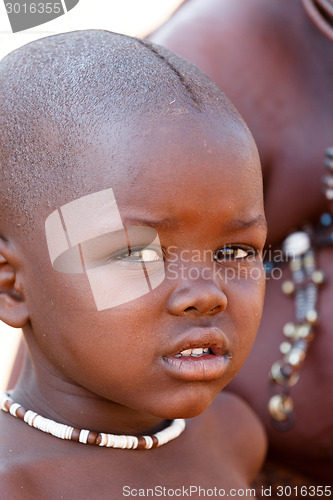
[84,436]
[306,279]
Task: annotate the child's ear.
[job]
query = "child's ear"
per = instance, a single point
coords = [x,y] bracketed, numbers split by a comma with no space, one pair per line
[13,310]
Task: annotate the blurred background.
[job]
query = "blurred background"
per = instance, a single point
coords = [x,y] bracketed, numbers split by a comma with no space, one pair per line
[131,17]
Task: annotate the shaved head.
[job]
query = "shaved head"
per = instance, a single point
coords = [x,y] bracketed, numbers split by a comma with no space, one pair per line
[59,92]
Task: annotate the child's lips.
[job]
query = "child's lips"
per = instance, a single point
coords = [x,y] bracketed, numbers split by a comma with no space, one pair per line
[200,354]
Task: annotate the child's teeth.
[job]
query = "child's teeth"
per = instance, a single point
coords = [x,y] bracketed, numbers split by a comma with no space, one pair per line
[197,351]
[187,352]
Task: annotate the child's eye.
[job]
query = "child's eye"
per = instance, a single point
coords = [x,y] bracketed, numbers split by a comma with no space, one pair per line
[233,253]
[140,255]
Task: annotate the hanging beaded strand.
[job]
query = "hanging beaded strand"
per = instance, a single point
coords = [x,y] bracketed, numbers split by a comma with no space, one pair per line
[84,436]
[304,285]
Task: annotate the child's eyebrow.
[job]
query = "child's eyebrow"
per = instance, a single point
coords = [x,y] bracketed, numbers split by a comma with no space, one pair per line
[171,222]
[239,224]
[164,223]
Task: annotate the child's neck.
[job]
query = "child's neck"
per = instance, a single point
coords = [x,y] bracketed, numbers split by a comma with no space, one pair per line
[45,392]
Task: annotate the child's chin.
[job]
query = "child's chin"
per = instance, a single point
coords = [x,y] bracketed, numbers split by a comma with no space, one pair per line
[185,409]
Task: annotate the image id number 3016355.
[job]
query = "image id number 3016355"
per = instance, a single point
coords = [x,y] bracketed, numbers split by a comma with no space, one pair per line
[33,8]
[303,491]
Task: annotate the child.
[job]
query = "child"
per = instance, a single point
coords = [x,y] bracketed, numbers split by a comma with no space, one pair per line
[131,231]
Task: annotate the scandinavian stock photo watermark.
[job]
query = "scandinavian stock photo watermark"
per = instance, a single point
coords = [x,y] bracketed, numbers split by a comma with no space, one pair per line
[122,263]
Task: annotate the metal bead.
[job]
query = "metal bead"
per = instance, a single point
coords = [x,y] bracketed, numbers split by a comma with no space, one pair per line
[296,244]
[309,261]
[329,194]
[280,406]
[288,287]
[318,277]
[281,378]
[295,356]
[304,331]
[285,347]
[289,329]
[295,265]
[312,316]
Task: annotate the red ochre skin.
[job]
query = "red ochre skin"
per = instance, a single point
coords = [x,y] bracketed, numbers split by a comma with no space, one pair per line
[277,68]
[197,179]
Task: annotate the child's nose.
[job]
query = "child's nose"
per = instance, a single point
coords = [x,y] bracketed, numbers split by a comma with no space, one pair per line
[200,298]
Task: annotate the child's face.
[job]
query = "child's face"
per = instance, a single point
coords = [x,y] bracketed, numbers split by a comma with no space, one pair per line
[196,181]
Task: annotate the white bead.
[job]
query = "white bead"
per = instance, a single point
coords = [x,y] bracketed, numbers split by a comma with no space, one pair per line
[48,426]
[104,439]
[59,430]
[3,398]
[13,409]
[135,442]
[296,244]
[175,429]
[129,442]
[123,442]
[29,417]
[38,421]
[53,428]
[83,436]
[149,442]
[69,432]
[63,431]
[41,423]
[110,441]
[161,438]
[116,441]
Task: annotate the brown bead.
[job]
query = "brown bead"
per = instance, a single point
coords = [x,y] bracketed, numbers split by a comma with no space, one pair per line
[155,441]
[98,439]
[92,437]
[76,434]
[8,404]
[20,412]
[142,443]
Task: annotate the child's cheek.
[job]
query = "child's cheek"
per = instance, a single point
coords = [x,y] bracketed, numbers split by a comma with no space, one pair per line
[245,296]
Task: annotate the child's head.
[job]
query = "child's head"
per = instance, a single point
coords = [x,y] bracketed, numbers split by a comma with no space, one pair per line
[90,112]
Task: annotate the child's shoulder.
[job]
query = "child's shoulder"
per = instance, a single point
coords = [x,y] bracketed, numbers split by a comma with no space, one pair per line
[10,460]
[26,456]
[238,432]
